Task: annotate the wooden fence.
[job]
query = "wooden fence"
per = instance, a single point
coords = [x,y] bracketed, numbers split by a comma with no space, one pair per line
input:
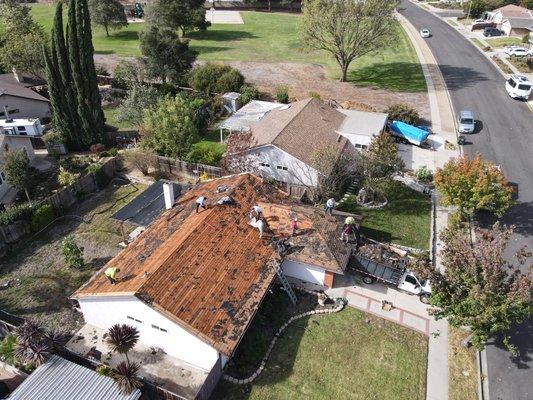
[63,199]
[186,169]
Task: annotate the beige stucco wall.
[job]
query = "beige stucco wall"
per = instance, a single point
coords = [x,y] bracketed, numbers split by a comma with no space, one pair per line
[29,108]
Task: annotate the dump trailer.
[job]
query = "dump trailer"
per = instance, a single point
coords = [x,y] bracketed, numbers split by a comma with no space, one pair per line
[408,133]
[397,276]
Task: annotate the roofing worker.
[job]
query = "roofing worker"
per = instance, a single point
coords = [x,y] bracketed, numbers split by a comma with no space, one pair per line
[256,212]
[111,274]
[294,226]
[201,202]
[330,204]
[261,227]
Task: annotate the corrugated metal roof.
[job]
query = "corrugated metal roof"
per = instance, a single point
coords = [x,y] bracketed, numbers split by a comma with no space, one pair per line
[60,379]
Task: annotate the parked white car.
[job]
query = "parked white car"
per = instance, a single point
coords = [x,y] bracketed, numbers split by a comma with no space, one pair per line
[517,51]
[424,32]
[466,122]
[518,87]
[479,21]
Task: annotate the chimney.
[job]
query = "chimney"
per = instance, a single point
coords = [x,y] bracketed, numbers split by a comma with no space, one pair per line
[6,113]
[168,193]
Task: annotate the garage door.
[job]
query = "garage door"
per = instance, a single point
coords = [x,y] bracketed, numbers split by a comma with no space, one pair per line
[304,272]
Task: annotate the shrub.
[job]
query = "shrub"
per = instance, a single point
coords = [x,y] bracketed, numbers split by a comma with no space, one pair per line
[93,168]
[104,370]
[7,349]
[41,216]
[249,93]
[212,78]
[113,152]
[423,174]
[403,112]
[66,178]
[140,159]
[72,253]
[230,81]
[97,148]
[525,38]
[15,213]
[314,95]
[282,94]
[205,154]
[53,137]
[101,70]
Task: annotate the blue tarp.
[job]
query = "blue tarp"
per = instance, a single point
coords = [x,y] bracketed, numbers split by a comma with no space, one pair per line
[411,133]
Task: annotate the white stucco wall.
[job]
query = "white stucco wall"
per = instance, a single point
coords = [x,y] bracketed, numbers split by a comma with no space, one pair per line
[104,312]
[361,140]
[304,272]
[297,172]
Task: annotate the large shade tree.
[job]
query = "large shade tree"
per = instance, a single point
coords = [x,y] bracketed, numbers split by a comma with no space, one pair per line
[108,13]
[347,29]
[182,15]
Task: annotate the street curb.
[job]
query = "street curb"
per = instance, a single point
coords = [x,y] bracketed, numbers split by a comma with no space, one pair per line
[483,384]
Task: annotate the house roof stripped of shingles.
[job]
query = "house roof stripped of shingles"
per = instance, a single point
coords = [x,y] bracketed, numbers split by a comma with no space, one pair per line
[206,271]
[316,241]
[300,128]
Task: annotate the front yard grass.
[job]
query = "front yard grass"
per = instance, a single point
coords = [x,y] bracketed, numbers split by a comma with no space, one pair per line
[406,220]
[110,113]
[503,41]
[347,355]
[40,283]
[271,37]
[463,369]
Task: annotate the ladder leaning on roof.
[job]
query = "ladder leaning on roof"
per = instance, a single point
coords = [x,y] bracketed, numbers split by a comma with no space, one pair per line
[286,285]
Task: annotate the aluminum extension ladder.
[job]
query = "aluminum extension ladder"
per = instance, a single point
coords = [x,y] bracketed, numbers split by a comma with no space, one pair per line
[284,281]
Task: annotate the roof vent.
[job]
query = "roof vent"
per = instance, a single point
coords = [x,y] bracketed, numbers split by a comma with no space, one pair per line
[222,188]
[168,194]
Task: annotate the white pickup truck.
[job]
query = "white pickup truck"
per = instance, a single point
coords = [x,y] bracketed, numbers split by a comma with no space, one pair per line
[398,277]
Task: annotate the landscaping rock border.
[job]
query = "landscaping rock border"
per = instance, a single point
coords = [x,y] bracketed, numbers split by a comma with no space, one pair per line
[340,303]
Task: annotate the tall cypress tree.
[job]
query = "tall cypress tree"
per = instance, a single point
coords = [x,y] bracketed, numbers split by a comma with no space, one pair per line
[71,77]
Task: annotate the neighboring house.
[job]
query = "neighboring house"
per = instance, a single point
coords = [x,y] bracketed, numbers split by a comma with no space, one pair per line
[512,19]
[359,127]
[60,379]
[192,282]
[17,134]
[287,139]
[22,102]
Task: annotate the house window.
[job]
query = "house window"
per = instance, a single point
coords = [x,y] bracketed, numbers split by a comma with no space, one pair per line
[360,146]
[158,328]
[262,164]
[134,319]
[282,168]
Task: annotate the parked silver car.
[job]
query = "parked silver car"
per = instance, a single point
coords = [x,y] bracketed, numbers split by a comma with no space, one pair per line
[466,122]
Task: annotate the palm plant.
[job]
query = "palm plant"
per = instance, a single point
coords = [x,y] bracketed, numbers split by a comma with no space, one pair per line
[126,377]
[121,338]
[34,343]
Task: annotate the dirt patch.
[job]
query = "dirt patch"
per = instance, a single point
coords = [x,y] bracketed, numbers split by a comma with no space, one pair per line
[301,78]
[39,283]
[304,78]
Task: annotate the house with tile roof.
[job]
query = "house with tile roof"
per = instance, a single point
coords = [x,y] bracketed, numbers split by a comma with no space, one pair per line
[193,281]
[286,138]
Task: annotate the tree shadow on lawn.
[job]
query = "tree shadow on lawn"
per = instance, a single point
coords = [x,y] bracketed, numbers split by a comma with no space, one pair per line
[220,35]
[396,76]
[209,49]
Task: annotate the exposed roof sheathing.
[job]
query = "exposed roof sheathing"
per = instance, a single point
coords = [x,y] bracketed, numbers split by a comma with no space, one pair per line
[207,272]
[316,241]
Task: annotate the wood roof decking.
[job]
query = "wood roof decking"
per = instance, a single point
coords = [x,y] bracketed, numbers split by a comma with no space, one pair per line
[207,272]
[317,239]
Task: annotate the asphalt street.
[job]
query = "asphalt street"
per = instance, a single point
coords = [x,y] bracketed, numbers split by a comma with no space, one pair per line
[504,136]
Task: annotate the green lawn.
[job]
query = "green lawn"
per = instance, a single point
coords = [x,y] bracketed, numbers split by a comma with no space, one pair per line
[503,41]
[272,37]
[406,220]
[111,119]
[463,377]
[339,356]
[479,44]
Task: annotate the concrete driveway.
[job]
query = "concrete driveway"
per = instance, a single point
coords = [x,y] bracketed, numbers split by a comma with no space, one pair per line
[505,133]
